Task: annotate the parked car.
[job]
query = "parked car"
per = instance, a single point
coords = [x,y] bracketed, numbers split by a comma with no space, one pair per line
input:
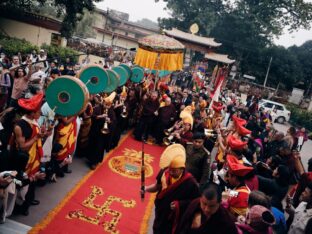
[278,110]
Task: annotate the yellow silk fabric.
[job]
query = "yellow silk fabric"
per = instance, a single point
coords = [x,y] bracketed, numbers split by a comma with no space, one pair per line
[33,163]
[167,61]
[67,138]
[220,154]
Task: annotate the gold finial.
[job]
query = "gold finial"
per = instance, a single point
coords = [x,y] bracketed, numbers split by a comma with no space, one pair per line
[194,28]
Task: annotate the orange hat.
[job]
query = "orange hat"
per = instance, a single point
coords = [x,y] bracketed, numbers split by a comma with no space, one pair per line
[31,104]
[235,144]
[242,130]
[203,104]
[236,168]
[124,92]
[217,106]
[238,121]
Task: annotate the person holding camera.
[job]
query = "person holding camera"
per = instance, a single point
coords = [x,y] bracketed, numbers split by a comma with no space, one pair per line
[7,194]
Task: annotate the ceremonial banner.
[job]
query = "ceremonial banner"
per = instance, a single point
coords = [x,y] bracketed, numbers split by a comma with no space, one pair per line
[107,200]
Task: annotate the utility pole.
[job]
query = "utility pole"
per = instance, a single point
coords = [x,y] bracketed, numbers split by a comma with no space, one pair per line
[267,74]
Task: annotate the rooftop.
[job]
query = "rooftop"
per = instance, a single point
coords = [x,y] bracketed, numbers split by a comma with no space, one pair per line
[207,41]
[114,17]
[32,18]
[222,58]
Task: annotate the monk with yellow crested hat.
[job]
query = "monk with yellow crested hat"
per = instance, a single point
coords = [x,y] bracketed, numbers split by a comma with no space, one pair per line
[173,185]
[109,100]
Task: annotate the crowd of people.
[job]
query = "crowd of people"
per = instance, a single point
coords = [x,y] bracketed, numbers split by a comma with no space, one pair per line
[230,170]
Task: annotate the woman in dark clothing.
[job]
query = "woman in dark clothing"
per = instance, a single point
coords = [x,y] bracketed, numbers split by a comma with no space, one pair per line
[277,187]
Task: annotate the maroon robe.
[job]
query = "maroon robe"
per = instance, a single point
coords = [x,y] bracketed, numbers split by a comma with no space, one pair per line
[166,113]
[219,223]
[182,192]
[186,137]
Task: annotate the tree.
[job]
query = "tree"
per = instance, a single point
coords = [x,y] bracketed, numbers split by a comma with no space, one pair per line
[84,27]
[304,56]
[272,16]
[71,9]
[246,29]
[147,23]
[285,67]
[184,13]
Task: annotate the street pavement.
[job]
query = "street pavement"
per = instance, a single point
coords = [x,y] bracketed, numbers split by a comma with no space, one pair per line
[306,152]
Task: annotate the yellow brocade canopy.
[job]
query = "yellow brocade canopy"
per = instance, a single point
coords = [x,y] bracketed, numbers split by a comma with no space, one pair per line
[167,61]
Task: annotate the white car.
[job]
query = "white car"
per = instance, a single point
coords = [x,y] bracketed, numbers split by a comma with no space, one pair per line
[278,110]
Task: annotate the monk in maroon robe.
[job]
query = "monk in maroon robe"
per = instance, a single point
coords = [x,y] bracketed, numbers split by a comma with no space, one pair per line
[207,215]
[175,188]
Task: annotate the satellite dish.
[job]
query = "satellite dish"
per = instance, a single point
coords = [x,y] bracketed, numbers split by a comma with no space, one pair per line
[194,28]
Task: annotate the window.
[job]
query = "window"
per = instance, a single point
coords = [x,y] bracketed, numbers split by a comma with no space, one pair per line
[268,105]
[56,39]
[278,107]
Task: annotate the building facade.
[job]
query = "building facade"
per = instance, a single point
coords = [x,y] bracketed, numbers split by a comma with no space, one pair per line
[117,31]
[34,28]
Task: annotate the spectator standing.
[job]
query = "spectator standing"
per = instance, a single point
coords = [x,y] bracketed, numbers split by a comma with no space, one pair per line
[302,137]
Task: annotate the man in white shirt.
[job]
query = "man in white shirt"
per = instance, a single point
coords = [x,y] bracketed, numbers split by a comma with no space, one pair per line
[38,77]
[301,215]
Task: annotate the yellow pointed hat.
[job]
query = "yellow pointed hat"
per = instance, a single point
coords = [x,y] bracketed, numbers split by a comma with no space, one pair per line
[186,111]
[193,107]
[110,98]
[170,153]
[188,119]
[177,162]
[124,92]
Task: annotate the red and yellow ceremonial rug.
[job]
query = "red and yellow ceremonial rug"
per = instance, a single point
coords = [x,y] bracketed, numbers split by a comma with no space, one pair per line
[107,200]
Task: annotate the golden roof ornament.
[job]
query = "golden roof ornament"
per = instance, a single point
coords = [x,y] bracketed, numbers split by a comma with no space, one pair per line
[194,28]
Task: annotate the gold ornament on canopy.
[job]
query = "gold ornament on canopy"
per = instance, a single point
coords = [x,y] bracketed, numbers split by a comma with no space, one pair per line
[194,28]
[160,52]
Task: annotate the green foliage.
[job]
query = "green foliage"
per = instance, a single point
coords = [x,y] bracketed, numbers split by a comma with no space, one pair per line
[60,53]
[84,27]
[205,13]
[12,46]
[300,117]
[285,67]
[246,29]
[304,56]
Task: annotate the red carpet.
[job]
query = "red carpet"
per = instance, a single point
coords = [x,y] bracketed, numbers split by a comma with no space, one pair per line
[107,200]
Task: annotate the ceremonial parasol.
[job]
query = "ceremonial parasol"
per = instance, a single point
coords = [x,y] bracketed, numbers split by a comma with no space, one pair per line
[160,52]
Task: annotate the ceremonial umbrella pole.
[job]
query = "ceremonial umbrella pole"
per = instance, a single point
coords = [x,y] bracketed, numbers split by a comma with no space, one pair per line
[159,52]
[142,172]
